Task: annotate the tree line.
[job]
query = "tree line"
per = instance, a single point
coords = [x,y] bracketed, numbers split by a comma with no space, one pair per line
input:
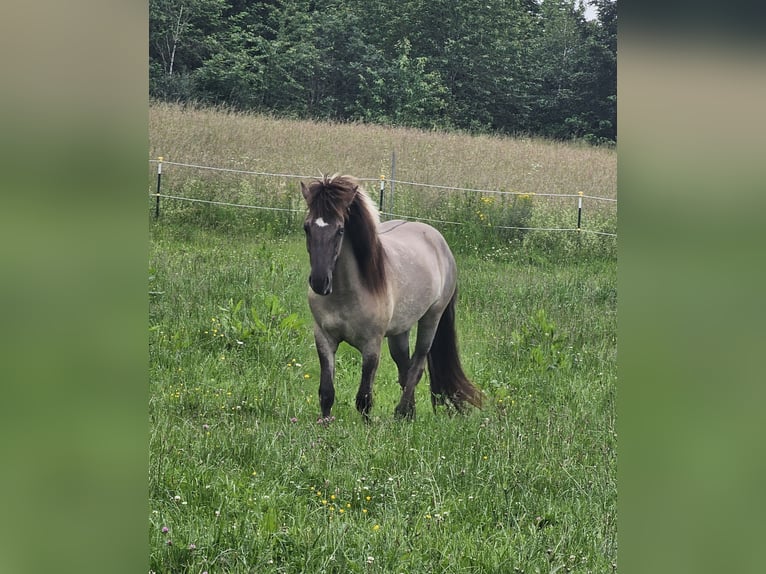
[533,67]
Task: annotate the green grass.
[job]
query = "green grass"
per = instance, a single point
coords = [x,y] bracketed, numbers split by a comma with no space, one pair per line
[239,467]
[528,483]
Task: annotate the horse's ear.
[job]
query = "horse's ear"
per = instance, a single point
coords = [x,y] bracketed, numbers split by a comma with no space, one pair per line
[305,191]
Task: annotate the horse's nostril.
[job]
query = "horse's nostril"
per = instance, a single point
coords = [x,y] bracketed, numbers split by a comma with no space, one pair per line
[321,287]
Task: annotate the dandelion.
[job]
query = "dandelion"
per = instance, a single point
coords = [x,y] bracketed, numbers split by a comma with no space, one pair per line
[368,498]
[255,472]
[376,528]
[364,511]
[341,510]
[306,376]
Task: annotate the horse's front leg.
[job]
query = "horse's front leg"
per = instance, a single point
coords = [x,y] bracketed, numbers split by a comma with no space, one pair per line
[370,360]
[326,348]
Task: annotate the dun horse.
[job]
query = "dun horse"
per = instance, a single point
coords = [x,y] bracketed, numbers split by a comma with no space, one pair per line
[370,280]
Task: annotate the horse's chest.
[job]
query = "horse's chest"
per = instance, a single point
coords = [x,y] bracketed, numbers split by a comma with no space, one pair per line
[354,321]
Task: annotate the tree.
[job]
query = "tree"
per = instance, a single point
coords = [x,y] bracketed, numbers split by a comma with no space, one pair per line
[178,30]
[604,55]
[510,66]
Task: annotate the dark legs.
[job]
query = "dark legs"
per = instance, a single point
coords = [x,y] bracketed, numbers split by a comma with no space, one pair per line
[399,347]
[326,349]
[364,395]
[410,368]
[426,331]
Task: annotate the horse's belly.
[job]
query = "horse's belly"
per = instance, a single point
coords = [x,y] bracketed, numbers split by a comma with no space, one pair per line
[406,313]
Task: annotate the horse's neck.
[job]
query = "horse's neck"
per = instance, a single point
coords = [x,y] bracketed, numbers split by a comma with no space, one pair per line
[347,276]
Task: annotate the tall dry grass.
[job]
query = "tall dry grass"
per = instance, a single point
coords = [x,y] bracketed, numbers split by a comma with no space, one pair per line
[223,138]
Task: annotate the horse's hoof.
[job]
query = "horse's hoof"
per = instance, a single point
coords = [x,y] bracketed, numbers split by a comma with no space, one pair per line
[404,413]
[364,404]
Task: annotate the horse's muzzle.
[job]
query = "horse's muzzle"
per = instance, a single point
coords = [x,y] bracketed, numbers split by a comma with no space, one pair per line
[321,286]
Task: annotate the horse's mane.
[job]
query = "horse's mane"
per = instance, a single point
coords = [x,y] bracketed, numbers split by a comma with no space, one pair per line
[342,197]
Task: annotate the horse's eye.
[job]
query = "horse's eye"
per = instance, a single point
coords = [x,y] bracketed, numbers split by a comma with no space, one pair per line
[341,231]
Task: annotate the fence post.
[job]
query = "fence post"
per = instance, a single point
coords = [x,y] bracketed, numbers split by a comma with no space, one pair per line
[382,189]
[159,180]
[393,178]
[579,210]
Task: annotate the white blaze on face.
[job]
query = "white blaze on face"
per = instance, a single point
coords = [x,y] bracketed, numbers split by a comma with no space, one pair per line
[319,222]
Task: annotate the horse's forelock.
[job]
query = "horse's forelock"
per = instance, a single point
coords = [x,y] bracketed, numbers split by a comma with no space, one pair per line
[324,200]
[332,196]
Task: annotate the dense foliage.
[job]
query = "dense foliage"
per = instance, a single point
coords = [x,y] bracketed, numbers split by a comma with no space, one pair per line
[505,66]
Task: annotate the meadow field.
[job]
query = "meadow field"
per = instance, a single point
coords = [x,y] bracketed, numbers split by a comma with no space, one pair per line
[244,479]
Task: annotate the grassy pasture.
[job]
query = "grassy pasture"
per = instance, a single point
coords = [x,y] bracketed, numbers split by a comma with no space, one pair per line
[243,479]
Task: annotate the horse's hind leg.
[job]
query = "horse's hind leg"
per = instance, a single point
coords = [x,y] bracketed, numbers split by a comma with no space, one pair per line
[426,332]
[399,347]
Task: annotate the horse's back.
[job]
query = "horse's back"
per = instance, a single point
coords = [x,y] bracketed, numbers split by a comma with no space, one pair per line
[420,266]
[414,235]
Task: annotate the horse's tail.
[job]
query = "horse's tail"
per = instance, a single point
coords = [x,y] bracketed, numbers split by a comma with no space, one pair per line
[448,381]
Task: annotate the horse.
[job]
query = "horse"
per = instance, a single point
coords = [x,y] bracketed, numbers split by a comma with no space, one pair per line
[370,280]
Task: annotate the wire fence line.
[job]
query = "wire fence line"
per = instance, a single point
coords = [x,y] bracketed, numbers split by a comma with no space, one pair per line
[226,204]
[498,192]
[399,216]
[399,181]
[244,171]
[579,196]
